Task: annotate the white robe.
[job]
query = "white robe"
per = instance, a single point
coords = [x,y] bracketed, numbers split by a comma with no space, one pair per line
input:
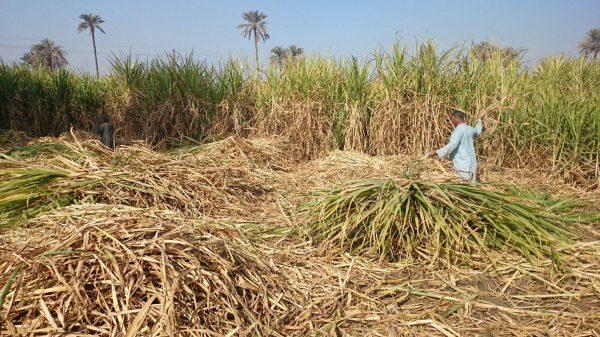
[461,151]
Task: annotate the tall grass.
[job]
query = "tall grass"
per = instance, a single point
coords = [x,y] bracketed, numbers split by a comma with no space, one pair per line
[396,102]
[164,98]
[48,103]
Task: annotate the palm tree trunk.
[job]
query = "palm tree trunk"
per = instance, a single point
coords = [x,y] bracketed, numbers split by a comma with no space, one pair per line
[95,56]
[256,51]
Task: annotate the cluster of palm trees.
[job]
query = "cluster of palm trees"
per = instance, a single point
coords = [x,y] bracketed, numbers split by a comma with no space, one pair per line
[51,56]
[256,26]
[282,56]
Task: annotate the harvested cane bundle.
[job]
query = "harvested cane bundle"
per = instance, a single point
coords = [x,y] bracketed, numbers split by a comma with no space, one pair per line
[28,192]
[427,219]
[137,176]
[81,271]
[10,139]
[37,150]
[260,151]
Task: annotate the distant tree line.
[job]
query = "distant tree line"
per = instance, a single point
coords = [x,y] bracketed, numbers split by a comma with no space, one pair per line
[51,56]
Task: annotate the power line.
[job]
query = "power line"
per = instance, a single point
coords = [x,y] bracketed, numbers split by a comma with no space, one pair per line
[101,45]
[71,51]
[11,46]
[84,44]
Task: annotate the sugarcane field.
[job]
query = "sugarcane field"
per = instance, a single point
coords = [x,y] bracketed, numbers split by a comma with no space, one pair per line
[423,190]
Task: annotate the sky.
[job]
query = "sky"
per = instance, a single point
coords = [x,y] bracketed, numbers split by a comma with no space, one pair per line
[326,27]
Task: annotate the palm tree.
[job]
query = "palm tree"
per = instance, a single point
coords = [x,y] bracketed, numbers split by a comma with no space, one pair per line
[296,52]
[255,26]
[29,59]
[91,22]
[48,55]
[279,55]
[590,44]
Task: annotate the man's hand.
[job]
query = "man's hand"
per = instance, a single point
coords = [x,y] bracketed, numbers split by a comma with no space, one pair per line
[480,118]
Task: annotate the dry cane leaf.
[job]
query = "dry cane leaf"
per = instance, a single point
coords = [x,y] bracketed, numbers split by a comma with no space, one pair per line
[139,319]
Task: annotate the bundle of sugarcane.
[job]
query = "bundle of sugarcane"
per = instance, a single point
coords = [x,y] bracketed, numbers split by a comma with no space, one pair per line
[428,219]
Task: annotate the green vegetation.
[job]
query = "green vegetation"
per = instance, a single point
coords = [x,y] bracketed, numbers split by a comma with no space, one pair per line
[28,192]
[427,219]
[396,103]
[36,150]
[46,103]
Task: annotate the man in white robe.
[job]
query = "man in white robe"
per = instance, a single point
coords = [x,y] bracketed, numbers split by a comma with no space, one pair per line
[460,148]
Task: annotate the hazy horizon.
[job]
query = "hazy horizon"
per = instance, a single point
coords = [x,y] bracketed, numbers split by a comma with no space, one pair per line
[334,28]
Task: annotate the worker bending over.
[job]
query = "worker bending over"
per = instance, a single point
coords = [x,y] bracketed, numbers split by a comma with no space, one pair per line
[460,148]
[106,131]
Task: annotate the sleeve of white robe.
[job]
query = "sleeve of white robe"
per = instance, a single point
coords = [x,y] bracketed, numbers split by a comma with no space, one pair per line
[478,128]
[452,145]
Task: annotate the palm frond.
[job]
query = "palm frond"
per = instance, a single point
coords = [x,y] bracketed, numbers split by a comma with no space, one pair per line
[255,25]
[90,21]
[83,25]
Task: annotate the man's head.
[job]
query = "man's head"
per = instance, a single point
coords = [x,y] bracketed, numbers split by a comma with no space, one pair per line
[104,118]
[457,117]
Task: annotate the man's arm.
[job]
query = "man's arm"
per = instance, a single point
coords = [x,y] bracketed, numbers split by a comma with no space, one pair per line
[478,127]
[452,145]
[100,129]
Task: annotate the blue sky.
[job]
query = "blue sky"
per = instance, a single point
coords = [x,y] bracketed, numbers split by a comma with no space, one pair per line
[331,27]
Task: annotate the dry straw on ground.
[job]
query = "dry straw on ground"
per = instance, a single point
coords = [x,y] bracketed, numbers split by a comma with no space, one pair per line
[107,270]
[197,181]
[232,268]
[93,268]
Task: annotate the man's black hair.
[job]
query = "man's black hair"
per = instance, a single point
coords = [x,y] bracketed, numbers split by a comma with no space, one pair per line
[104,118]
[457,113]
